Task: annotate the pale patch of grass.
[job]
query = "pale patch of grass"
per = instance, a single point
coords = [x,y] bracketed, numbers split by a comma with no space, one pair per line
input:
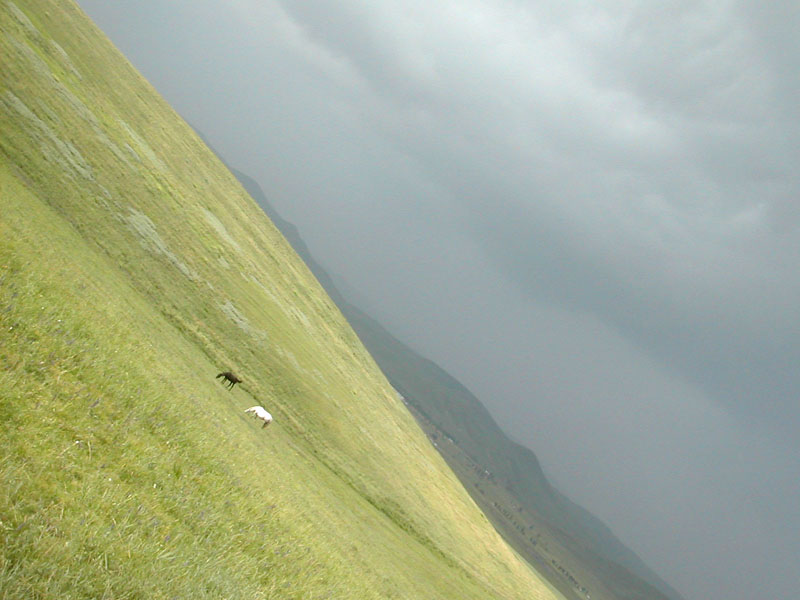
[220,228]
[150,239]
[53,148]
[143,147]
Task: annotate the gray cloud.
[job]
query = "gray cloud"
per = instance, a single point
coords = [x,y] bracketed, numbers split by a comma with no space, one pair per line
[587,213]
[674,245]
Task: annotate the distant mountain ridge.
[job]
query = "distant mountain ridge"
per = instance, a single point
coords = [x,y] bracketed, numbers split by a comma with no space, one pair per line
[457,413]
[460,415]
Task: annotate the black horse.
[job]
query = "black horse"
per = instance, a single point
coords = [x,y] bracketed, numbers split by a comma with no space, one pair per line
[229,379]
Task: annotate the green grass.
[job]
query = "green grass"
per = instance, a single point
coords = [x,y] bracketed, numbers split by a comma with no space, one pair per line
[133,268]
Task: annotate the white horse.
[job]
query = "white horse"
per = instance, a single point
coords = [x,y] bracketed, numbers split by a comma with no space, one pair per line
[259,413]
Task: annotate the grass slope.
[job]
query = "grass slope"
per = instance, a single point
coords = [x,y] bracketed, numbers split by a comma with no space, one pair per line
[569,546]
[133,267]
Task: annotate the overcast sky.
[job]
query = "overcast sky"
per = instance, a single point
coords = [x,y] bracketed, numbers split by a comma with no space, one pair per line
[586,211]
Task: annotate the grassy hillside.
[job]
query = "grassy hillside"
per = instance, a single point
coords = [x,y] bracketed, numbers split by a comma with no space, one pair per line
[569,546]
[133,268]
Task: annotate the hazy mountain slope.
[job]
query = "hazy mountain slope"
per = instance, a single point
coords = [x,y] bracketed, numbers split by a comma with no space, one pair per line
[134,268]
[458,414]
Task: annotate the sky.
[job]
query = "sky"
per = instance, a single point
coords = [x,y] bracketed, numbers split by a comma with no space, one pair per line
[587,212]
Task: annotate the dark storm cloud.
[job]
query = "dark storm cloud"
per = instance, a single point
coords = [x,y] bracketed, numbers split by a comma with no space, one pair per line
[587,212]
[640,170]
